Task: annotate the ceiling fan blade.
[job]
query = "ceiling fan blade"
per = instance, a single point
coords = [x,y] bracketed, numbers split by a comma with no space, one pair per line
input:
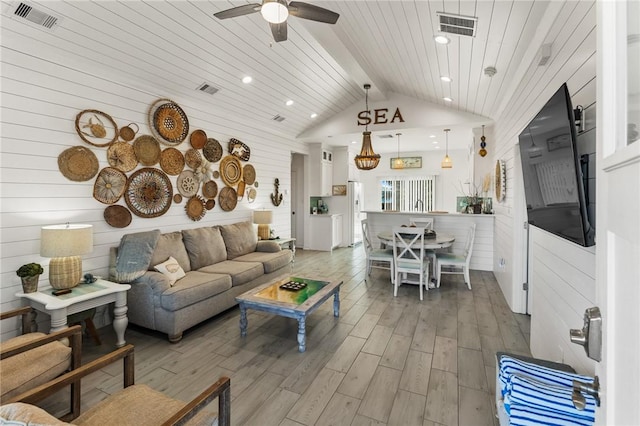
[279,31]
[314,13]
[238,11]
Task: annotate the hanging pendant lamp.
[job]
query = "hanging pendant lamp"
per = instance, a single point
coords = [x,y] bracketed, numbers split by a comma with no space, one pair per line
[367,159]
[483,144]
[446,162]
[397,162]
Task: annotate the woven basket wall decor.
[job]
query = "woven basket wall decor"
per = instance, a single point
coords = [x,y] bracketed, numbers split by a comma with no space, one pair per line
[171,161]
[249,174]
[239,149]
[78,163]
[212,150]
[148,192]
[210,189]
[198,138]
[96,128]
[193,158]
[195,208]
[227,199]
[187,184]
[168,122]
[109,185]
[230,170]
[122,156]
[147,150]
[117,216]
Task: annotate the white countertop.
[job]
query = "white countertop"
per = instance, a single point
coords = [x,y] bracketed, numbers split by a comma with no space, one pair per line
[427,213]
[325,214]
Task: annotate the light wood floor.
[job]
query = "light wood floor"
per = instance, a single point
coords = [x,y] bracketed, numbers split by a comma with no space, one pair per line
[384,361]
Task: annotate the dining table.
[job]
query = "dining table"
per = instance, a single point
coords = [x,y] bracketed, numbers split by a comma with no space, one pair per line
[441,240]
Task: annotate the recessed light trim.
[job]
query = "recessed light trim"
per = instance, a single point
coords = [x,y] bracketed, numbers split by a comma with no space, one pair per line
[432,136]
[447,99]
[440,39]
[289,102]
[446,78]
[313,115]
[354,141]
[247,79]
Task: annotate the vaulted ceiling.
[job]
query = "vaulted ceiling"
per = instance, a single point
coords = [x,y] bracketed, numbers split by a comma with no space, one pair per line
[176,46]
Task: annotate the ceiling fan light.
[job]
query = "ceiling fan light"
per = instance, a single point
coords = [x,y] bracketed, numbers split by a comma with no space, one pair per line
[274,11]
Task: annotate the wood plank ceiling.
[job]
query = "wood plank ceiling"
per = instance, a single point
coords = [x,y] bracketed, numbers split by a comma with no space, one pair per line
[175,46]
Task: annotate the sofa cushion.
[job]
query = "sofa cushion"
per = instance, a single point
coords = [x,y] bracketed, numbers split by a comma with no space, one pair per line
[240,272]
[193,288]
[170,269]
[268,246]
[205,246]
[19,413]
[171,244]
[31,368]
[270,261]
[239,238]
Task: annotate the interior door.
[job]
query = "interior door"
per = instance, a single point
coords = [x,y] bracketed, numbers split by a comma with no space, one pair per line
[294,201]
[618,210]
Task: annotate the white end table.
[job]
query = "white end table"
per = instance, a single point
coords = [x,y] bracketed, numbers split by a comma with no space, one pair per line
[291,242]
[82,298]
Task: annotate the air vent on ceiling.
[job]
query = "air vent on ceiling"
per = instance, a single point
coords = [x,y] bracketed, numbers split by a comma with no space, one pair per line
[37,17]
[207,88]
[385,136]
[457,24]
[278,118]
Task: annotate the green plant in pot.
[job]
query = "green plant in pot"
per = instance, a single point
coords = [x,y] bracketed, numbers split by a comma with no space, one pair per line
[29,274]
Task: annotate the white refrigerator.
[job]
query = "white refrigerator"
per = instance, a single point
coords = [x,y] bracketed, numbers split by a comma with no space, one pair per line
[349,207]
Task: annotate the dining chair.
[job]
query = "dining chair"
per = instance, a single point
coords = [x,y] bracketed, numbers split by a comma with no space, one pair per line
[376,258]
[423,222]
[459,262]
[409,258]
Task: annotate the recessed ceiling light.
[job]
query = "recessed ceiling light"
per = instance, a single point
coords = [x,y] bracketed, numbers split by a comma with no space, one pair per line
[447,99]
[289,102]
[313,115]
[432,136]
[434,142]
[247,79]
[436,147]
[354,142]
[442,39]
[446,79]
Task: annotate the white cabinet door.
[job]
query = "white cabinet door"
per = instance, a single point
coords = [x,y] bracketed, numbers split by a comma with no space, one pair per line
[327,178]
[336,222]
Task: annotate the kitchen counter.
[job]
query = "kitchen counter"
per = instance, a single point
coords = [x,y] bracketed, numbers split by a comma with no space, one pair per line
[449,223]
[325,232]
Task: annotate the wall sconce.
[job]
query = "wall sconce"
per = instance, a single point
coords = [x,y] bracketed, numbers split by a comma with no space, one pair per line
[446,162]
[483,144]
[367,159]
[65,245]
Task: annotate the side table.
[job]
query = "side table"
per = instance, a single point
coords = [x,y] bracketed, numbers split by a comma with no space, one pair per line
[290,242]
[82,298]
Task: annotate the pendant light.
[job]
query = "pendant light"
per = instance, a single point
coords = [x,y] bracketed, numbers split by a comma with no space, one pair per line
[367,159]
[483,144]
[397,162]
[446,162]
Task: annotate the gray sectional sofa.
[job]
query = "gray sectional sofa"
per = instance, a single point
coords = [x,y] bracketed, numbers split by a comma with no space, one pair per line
[220,263]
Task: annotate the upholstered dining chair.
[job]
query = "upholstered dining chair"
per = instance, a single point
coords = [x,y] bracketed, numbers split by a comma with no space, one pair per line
[376,258]
[138,405]
[458,262]
[409,258]
[34,359]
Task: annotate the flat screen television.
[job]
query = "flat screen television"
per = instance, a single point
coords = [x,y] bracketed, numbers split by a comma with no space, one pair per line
[553,183]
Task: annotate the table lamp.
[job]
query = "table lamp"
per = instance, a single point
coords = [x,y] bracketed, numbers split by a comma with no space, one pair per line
[65,244]
[263,218]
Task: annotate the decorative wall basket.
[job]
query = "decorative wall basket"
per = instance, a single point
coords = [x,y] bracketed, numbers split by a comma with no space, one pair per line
[228,199]
[210,189]
[239,149]
[127,133]
[249,174]
[195,208]
[78,163]
[147,150]
[148,192]
[171,161]
[168,122]
[122,156]
[212,150]
[96,128]
[230,170]
[117,216]
[198,139]
[109,185]
[193,158]
[187,184]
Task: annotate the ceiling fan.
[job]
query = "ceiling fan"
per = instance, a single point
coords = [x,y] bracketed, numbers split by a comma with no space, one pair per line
[276,12]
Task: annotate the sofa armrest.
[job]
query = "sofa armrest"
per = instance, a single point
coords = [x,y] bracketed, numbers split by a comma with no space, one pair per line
[268,246]
[158,282]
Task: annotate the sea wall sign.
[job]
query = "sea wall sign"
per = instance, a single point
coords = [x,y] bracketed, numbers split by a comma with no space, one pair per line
[380,116]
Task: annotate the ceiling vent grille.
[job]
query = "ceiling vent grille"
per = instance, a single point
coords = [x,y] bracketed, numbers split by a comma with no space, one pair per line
[457,24]
[37,17]
[385,136]
[278,118]
[207,88]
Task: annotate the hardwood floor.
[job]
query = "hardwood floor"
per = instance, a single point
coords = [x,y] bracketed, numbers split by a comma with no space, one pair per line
[384,361]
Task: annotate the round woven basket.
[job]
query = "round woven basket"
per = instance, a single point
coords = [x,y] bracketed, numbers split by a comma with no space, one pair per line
[168,122]
[187,184]
[117,216]
[147,150]
[78,163]
[230,170]
[210,204]
[193,158]
[195,208]
[227,199]
[212,150]
[251,195]
[109,185]
[198,139]
[210,189]
[249,174]
[96,128]
[171,161]
[148,192]
[122,156]
[177,198]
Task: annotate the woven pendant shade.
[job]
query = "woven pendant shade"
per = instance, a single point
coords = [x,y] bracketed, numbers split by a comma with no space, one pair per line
[367,159]
[446,161]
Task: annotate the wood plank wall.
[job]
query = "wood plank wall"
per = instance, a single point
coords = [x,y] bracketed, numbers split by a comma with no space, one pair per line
[573,60]
[43,87]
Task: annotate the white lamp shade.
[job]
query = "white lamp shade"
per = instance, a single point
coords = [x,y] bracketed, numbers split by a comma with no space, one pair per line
[66,240]
[262,217]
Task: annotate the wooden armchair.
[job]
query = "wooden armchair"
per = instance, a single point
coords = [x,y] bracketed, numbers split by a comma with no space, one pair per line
[134,405]
[33,359]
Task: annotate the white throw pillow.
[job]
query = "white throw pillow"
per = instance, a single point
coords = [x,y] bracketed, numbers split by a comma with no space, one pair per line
[171,269]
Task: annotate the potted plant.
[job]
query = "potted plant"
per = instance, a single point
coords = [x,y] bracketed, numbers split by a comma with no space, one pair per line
[29,274]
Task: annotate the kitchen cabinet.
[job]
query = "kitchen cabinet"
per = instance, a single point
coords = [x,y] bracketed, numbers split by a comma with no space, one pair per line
[325,232]
[321,171]
[327,179]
